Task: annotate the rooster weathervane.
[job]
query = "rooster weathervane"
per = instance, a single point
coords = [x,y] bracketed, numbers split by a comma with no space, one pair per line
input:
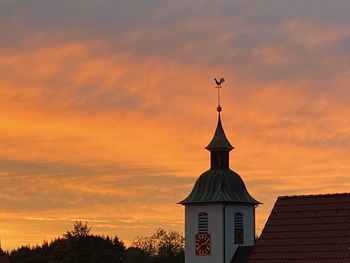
[218,83]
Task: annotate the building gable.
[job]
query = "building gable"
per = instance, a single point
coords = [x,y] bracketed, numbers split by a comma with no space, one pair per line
[312,229]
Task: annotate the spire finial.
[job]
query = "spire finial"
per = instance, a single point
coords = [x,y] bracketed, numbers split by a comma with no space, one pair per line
[218,83]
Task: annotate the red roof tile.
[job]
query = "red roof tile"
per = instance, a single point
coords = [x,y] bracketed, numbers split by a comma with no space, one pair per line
[306,229]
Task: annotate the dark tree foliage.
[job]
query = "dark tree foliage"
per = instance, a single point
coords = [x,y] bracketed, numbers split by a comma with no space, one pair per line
[79,246]
[79,230]
[161,247]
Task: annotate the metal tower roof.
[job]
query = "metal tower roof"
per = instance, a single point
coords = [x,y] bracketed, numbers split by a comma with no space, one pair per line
[220,186]
[219,141]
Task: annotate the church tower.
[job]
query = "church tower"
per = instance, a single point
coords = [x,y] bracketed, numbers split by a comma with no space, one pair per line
[219,212]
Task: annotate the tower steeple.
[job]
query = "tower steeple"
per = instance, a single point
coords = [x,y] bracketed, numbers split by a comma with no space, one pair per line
[219,184]
[219,148]
[219,211]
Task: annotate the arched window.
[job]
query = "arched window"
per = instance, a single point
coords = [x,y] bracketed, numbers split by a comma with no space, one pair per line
[202,223]
[238,223]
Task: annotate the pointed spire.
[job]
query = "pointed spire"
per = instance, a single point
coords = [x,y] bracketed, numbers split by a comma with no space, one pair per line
[219,141]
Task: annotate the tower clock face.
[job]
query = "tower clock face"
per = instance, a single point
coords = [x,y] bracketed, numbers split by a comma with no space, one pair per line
[203,245]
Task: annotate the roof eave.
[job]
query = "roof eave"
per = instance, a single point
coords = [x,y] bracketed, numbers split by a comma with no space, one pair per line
[218,202]
[224,148]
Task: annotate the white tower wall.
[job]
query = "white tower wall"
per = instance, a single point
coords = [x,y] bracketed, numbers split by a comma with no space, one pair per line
[220,237]
[248,213]
[215,229]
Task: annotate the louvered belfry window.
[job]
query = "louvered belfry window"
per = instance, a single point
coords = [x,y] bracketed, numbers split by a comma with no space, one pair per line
[238,223]
[202,223]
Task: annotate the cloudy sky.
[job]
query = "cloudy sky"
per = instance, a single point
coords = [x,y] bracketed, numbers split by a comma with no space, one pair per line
[106,107]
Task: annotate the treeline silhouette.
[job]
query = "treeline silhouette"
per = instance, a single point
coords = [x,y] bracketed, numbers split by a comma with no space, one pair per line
[79,246]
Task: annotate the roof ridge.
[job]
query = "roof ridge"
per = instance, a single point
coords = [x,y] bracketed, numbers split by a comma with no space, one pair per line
[313,195]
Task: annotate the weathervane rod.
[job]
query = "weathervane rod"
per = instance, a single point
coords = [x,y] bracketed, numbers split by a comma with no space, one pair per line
[218,83]
[219,96]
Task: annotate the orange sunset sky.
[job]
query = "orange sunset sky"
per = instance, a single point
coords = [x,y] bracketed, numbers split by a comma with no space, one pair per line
[106,107]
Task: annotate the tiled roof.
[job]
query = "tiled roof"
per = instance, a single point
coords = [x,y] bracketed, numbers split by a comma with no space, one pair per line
[306,229]
[241,255]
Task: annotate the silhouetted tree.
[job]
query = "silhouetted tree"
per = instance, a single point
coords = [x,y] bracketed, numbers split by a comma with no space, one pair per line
[79,246]
[80,229]
[161,247]
[76,246]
